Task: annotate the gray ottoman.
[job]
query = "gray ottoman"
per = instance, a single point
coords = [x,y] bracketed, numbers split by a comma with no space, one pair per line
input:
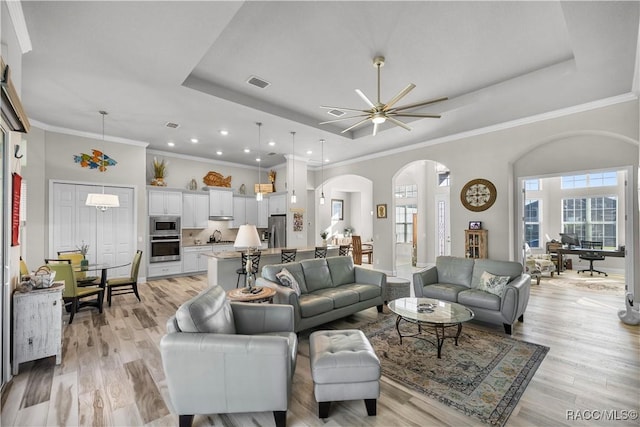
[396,287]
[343,367]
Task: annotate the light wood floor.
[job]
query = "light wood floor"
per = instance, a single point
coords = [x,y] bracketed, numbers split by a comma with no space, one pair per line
[111,374]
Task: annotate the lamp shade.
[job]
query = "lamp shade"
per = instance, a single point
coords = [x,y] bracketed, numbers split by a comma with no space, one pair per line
[247,237]
[102,201]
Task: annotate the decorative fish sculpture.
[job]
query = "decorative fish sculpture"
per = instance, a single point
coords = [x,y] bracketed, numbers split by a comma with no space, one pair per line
[216,179]
[96,160]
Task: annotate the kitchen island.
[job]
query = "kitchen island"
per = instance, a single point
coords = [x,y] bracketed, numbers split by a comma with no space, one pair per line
[222,266]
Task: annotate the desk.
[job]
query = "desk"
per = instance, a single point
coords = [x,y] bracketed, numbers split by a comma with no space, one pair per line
[578,251]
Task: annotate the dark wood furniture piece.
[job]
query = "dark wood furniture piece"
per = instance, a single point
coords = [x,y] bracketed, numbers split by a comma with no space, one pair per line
[125,285]
[321,252]
[577,251]
[288,255]
[255,263]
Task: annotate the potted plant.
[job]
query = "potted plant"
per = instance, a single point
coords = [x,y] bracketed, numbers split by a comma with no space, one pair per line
[324,235]
[159,172]
[83,249]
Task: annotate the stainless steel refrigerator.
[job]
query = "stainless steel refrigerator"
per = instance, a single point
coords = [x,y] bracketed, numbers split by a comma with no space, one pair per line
[277,231]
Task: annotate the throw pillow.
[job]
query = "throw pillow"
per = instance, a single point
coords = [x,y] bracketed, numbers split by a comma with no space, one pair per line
[492,283]
[287,279]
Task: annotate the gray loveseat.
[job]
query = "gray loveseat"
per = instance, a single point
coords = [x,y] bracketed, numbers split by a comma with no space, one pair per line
[330,288]
[458,280]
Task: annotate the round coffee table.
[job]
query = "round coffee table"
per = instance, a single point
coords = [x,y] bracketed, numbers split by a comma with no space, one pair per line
[262,294]
[430,312]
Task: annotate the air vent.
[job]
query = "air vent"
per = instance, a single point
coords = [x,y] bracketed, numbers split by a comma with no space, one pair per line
[172,125]
[272,154]
[336,113]
[257,81]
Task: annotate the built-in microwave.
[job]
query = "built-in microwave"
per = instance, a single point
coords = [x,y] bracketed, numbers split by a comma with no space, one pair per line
[164,225]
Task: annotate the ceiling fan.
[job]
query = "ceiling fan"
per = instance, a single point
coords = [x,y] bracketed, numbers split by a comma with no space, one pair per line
[379,112]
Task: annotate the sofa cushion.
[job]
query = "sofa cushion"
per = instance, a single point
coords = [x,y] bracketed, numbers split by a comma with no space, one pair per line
[365,292]
[454,270]
[285,278]
[477,298]
[341,297]
[312,305]
[341,269]
[208,312]
[316,274]
[269,272]
[498,268]
[443,291]
[493,284]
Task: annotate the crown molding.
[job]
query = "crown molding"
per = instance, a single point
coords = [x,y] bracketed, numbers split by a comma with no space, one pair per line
[19,25]
[67,131]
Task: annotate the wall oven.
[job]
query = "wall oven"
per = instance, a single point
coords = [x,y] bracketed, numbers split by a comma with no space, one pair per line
[165,248]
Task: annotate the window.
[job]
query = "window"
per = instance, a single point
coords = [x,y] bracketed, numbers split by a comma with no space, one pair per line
[592,218]
[532,185]
[404,223]
[597,179]
[532,222]
[444,179]
[405,191]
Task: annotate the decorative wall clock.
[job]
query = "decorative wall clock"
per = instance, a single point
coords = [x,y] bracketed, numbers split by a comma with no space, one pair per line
[478,195]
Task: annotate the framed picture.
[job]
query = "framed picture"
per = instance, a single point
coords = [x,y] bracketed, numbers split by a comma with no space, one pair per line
[337,209]
[381,210]
[475,225]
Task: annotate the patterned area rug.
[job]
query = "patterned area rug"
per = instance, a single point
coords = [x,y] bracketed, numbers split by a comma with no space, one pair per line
[613,284]
[484,377]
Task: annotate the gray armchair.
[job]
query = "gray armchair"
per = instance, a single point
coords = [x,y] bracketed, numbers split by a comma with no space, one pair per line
[221,357]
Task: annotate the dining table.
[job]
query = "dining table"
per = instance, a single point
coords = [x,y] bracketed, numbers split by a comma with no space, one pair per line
[103,268]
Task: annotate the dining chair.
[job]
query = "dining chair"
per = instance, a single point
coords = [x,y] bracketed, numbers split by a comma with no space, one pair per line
[24,270]
[344,250]
[76,258]
[73,294]
[356,243]
[288,255]
[255,263]
[320,252]
[126,285]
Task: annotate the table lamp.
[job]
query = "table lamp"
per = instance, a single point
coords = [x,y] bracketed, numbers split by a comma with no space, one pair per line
[248,238]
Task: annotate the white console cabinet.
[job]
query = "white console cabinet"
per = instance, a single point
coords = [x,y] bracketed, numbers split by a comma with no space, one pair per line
[37,325]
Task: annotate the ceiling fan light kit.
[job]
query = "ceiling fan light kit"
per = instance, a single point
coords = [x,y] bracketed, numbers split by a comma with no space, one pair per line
[379,113]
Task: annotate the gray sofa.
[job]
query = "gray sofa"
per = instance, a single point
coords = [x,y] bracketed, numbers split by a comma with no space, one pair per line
[458,280]
[221,357]
[330,288]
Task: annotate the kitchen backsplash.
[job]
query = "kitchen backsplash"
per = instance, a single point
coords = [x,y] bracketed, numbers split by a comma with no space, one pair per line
[189,236]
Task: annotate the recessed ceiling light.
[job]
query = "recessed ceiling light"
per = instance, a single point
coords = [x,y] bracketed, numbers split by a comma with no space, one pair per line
[194,140]
[309,152]
[246,150]
[171,144]
[326,160]
[257,159]
[224,132]
[272,143]
[219,153]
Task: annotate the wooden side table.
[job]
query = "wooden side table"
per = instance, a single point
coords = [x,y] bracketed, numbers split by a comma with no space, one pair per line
[266,294]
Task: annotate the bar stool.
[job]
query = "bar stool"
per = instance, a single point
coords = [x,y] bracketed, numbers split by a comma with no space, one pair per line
[344,250]
[287,255]
[255,262]
[321,252]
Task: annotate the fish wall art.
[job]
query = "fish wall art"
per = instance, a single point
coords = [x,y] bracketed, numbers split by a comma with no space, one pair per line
[96,160]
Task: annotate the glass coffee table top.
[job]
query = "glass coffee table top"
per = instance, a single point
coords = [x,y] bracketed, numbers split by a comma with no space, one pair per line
[428,310]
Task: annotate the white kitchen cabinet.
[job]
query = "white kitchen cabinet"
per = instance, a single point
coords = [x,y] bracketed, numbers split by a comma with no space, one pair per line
[221,203]
[245,211]
[278,204]
[263,213]
[165,203]
[195,210]
[193,260]
[37,325]
[164,268]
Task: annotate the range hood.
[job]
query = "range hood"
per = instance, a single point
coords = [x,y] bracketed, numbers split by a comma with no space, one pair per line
[220,218]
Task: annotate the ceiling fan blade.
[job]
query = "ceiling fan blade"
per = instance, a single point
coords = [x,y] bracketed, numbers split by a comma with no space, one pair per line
[364,97]
[398,122]
[344,118]
[399,96]
[357,124]
[343,109]
[375,129]
[428,116]
[420,104]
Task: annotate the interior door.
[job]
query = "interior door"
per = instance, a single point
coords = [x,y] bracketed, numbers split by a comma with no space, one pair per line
[443,229]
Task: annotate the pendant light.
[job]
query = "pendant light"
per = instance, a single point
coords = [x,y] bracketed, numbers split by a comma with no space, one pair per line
[322,172]
[259,193]
[293,162]
[102,201]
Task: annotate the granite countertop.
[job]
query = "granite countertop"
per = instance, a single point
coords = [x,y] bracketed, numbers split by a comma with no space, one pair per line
[264,252]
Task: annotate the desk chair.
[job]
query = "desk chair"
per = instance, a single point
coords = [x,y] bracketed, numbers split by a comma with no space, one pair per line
[126,285]
[74,294]
[591,256]
[288,255]
[321,252]
[255,263]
